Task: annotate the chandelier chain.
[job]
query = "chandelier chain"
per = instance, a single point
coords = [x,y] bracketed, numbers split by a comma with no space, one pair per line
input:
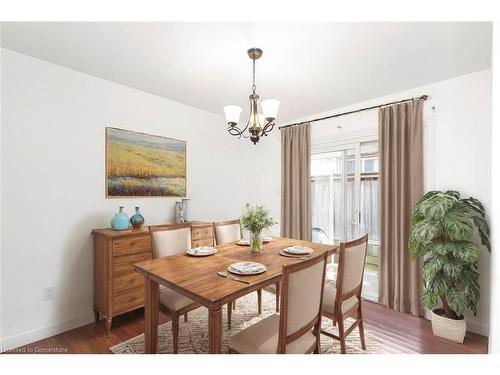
[253,77]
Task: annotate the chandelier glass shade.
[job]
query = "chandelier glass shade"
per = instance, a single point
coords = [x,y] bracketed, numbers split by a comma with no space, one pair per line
[262,117]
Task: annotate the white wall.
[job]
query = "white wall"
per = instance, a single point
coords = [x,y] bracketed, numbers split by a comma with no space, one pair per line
[494,340]
[1,189]
[457,147]
[52,141]
[53,175]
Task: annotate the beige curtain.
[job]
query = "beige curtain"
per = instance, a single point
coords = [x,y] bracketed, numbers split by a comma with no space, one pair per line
[401,185]
[295,183]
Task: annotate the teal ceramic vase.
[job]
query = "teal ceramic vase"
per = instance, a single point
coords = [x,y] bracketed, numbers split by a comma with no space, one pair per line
[137,220]
[120,220]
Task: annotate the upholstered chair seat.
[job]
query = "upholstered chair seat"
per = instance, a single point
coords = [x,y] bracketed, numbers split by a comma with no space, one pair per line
[329,294]
[296,329]
[262,338]
[173,300]
[271,288]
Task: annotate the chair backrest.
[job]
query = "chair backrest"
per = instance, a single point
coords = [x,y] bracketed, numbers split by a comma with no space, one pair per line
[227,231]
[170,239]
[302,296]
[352,256]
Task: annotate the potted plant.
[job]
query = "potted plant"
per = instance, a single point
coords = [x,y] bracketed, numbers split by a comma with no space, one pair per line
[443,225]
[255,220]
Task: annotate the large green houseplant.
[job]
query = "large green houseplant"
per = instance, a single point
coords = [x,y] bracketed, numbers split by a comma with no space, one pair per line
[443,228]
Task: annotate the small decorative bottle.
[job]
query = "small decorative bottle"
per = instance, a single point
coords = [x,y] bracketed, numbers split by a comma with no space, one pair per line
[120,220]
[179,212]
[137,220]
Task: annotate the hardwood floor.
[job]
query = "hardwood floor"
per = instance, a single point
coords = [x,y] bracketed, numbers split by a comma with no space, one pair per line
[401,331]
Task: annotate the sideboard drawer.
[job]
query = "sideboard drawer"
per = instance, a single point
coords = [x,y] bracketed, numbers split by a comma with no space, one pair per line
[198,243]
[131,245]
[202,233]
[127,281]
[128,300]
[124,265]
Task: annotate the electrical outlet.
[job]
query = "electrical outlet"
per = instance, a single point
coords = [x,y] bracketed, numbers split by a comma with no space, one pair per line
[48,293]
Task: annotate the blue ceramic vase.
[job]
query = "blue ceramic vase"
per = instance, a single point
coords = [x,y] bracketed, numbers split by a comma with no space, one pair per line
[137,220]
[120,220]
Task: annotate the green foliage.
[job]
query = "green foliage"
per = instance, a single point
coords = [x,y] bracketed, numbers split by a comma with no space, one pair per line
[256,218]
[475,205]
[443,225]
[484,231]
[436,205]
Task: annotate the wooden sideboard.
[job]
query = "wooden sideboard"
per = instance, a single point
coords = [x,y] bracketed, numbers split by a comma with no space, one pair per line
[117,287]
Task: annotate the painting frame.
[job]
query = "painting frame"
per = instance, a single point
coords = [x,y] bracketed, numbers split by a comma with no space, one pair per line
[106,164]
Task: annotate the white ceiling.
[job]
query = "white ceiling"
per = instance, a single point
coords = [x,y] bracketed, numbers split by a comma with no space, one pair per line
[309,67]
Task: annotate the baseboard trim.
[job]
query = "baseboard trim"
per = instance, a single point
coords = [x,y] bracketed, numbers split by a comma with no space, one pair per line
[41,333]
[479,328]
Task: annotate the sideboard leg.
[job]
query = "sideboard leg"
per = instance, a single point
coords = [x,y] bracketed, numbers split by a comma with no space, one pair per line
[96,316]
[108,326]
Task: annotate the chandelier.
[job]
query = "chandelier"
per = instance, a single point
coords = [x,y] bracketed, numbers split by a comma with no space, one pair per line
[259,123]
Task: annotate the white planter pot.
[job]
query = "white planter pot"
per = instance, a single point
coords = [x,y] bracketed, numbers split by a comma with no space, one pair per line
[450,329]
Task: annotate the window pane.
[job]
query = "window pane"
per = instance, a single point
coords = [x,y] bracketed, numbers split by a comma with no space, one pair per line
[320,194]
[349,167]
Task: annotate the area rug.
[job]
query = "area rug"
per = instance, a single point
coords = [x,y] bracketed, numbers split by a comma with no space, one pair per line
[193,334]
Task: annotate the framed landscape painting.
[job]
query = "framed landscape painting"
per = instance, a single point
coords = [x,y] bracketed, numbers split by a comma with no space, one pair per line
[144,165]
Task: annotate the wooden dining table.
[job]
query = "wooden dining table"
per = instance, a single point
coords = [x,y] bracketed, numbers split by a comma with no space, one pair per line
[197,278]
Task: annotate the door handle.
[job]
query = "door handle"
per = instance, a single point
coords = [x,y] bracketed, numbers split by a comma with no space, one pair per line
[356,217]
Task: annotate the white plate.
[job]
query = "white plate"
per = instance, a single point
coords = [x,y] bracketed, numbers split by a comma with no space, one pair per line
[298,250]
[285,254]
[267,239]
[202,251]
[247,268]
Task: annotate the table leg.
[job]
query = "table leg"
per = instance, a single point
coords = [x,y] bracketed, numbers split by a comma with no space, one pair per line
[151,314]
[215,330]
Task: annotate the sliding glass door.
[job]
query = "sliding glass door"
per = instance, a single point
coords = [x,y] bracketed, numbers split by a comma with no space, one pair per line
[344,187]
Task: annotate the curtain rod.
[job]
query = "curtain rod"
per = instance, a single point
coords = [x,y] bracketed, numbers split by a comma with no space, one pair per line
[423,97]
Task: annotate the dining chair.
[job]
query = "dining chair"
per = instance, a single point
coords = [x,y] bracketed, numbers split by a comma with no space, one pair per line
[296,329]
[167,240]
[227,231]
[343,299]
[230,231]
